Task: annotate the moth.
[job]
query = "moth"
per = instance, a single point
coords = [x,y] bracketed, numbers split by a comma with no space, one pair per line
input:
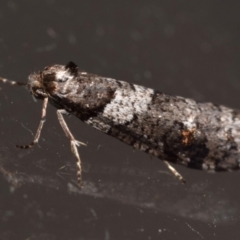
[171,128]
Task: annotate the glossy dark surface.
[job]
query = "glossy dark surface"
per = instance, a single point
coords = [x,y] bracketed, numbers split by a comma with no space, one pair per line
[186,48]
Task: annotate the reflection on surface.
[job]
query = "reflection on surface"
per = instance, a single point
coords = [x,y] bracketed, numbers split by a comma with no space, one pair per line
[144,188]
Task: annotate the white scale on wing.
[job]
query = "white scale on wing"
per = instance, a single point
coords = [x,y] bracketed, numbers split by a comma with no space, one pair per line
[128,102]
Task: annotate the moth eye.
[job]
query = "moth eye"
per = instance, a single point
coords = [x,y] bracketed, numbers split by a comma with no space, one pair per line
[49,77]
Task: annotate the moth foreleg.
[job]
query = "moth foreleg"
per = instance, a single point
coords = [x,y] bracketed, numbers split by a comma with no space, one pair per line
[40,126]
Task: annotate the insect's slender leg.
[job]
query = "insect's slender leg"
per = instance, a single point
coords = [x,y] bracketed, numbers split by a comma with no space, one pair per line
[175,172]
[37,135]
[74,143]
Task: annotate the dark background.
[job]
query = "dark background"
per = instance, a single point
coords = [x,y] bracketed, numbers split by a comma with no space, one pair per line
[188,48]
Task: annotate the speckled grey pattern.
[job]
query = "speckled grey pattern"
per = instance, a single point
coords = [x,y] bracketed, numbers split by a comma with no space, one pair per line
[176,129]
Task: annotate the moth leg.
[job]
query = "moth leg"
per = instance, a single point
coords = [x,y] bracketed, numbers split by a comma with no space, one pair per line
[40,126]
[74,143]
[175,172]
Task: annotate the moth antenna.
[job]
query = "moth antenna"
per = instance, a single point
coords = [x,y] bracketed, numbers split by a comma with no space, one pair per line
[5,80]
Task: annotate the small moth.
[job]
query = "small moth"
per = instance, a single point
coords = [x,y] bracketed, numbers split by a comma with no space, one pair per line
[174,129]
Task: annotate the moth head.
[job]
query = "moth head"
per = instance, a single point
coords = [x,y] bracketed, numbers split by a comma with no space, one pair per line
[48,81]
